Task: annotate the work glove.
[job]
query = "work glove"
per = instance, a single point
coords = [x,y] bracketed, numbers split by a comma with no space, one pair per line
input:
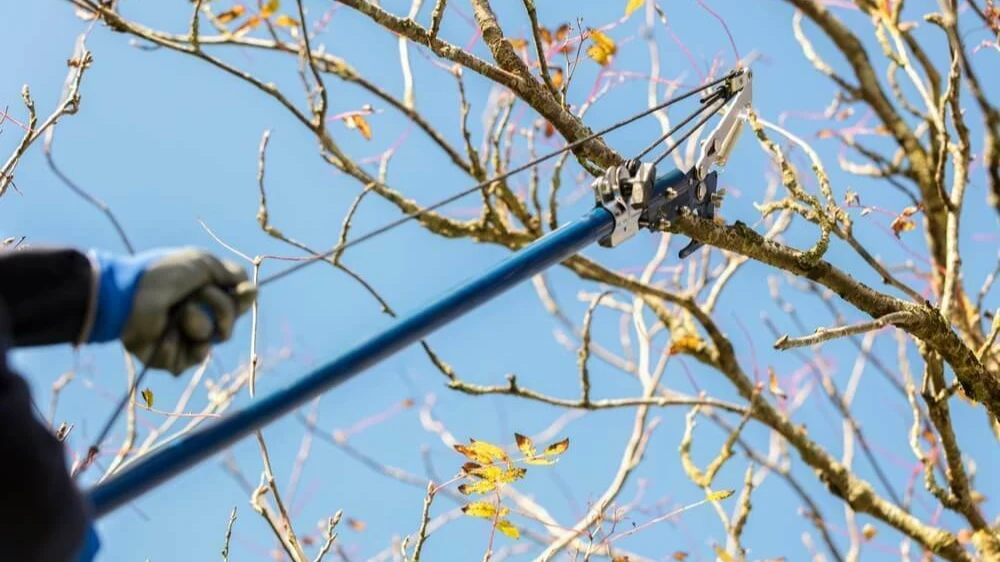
[168,306]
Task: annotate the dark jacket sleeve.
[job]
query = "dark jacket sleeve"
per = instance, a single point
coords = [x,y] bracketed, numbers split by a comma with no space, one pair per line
[47,292]
[44,295]
[44,517]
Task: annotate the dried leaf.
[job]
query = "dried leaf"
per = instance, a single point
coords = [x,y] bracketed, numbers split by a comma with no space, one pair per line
[525,444]
[483,509]
[356,524]
[603,48]
[480,487]
[468,467]
[540,461]
[685,343]
[902,224]
[722,554]
[549,129]
[869,531]
[284,20]
[147,397]
[252,22]
[679,555]
[772,384]
[518,43]
[556,448]
[358,121]
[976,497]
[964,536]
[557,77]
[824,134]
[910,211]
[632,6]
[231,14]
[720,495]
[270,7]
[562,32]
[852,198]
[929,436]
[508,528]
[881,130]
[545,34]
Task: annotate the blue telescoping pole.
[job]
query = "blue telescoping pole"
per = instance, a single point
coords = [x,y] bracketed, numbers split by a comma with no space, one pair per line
[187,451]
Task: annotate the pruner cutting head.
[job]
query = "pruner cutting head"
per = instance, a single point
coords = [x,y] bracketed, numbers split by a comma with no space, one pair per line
[719,143]
[637,197]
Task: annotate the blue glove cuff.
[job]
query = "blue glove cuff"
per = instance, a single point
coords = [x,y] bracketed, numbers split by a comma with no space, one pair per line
[117,280]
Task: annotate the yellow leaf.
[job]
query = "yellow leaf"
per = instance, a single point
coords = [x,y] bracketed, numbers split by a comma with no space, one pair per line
[147,397]
[868,531]
[488,472]
[518,43]
[722,554]
[773,386]
[540,461]
[252,22]
[720,495]
[684,343]
[357,121]
[525,444]
[557,77]
[603,48]
[483,509]
[511,475]
[231,14]
[508,528]
[557,448]
[632,6]
[285,20]
[269,8]
[480,487]
[976,496]
[489,450]
[473,454]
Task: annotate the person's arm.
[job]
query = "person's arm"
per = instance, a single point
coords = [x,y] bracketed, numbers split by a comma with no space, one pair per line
[48,293]
[44,518]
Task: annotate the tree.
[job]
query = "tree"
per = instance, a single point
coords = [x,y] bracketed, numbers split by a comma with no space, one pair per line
[915,137]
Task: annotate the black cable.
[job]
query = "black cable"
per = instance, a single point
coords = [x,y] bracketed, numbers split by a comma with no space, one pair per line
[685,136]
[391,225]
[707,102]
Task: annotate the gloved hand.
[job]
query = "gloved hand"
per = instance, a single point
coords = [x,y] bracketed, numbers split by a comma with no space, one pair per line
[187,291]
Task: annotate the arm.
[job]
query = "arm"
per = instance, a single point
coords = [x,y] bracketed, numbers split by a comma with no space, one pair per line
[44,517]
[47,292]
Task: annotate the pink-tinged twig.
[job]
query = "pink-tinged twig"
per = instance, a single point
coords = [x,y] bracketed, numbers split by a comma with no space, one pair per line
[725,27]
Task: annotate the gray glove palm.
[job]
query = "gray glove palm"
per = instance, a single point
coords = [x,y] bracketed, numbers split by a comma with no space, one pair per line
[192,295]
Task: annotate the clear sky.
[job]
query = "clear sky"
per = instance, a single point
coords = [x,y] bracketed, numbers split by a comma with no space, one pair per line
[167,140]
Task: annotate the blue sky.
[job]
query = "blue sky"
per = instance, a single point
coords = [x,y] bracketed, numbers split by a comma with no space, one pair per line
[167,140]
